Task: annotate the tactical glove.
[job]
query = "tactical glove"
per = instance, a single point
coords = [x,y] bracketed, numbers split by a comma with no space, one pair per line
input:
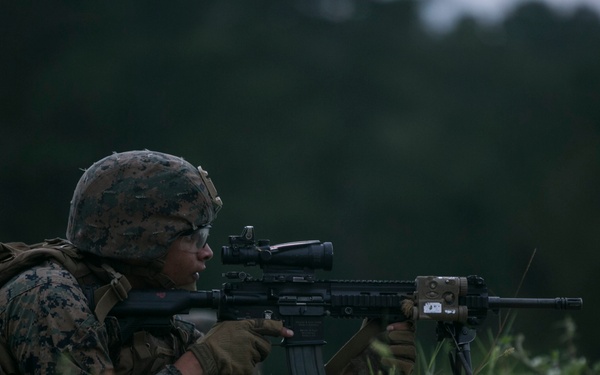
[396,349]
[373,349]
[235,347]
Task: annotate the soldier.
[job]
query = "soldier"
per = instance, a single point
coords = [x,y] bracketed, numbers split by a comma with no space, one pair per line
[138,219]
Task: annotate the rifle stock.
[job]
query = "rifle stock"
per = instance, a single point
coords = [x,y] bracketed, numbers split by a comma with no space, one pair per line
[288,291]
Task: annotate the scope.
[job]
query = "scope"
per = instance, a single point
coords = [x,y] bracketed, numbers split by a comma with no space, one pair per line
[245,250]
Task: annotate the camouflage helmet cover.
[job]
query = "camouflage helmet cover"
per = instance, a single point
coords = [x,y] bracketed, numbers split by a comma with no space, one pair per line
[130,206]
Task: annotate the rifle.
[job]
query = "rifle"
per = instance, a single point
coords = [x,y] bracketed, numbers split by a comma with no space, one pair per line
[289,291]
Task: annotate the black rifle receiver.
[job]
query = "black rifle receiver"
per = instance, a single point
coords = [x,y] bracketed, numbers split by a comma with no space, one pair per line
[288,291]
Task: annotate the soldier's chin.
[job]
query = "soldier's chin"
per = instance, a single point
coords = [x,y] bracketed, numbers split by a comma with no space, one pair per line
[196,276]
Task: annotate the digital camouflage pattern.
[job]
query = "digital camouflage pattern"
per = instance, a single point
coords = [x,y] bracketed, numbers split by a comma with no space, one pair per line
[47,327]
[130,206]
[127,207]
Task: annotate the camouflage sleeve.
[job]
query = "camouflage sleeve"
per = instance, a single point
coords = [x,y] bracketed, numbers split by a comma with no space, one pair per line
[51,327]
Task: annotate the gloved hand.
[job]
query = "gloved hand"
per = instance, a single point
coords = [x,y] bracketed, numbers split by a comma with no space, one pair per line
[235,347]
[376,348]
[396,347]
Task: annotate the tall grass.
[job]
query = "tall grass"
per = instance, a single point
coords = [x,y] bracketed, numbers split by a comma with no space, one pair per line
[504,353]
[507,354]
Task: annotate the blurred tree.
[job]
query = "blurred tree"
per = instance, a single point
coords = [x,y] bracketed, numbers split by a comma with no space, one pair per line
[413,153]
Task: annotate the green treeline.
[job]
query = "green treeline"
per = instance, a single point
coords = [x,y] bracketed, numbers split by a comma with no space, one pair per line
[414,153]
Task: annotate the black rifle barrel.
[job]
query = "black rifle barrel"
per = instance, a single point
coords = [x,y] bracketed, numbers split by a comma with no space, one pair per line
[559,303]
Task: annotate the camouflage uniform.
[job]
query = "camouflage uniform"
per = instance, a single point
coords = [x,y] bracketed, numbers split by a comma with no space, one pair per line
[52,330]
[126,210]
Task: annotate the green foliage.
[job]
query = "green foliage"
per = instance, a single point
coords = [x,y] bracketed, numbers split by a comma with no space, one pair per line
[448,154]
[426,363]
[506,354]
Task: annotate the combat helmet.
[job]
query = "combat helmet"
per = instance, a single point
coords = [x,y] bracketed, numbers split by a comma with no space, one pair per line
[131,206]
